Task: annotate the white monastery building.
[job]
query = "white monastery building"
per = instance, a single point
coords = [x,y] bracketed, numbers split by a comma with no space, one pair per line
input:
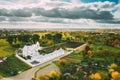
[36,57]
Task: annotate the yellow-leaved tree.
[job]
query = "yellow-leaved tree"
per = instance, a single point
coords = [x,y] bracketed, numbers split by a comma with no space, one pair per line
[54,75]
[43,77]
[95,76]
[115,75]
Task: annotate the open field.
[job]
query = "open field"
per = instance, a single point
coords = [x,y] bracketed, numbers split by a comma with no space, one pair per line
[74,57]
[96,46]
[5,49]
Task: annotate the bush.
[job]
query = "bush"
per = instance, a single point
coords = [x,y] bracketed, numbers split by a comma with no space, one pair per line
[54,75]
[100,48]
[62,62]
[28,57]
[16,45]
[113,66]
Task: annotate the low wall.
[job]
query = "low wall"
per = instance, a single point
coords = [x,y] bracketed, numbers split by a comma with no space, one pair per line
[82,47]
[23,60]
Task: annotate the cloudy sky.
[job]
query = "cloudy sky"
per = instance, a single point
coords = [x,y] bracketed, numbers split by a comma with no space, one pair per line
[60,14]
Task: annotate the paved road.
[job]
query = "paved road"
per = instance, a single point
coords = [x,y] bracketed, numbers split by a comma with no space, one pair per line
[29,74]
[48,69]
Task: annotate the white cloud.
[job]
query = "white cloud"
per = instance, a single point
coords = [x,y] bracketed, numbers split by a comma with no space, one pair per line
[117,13]
[59,12]
[75,2]
[97,10]
[46,25]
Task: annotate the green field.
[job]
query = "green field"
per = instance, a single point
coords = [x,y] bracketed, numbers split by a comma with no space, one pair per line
[12,66]
[74,57]
[96,46]
[5,49]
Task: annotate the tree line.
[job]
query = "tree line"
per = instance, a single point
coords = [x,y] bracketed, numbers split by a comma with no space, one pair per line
[22,39]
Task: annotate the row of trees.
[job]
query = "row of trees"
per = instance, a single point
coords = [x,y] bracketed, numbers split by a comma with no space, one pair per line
[45,40]
[25,38]
[50,39]
[55,37]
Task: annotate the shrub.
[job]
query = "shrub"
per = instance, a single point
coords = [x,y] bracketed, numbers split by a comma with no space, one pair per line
[43,77]
[16,45]
[54,75]
[62,62]
[113,66]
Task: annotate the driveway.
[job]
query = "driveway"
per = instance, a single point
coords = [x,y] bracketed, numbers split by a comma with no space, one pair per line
[26,75]
[29,74]
[48,69]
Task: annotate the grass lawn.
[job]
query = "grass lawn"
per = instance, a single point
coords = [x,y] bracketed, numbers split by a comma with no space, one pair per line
[96,46]
[5,49]
[74,57]
[12,66]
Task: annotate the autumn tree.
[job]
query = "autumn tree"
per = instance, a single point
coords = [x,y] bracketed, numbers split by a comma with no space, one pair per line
[54,75]
[43,77]
[116,43]
[90,53]
[113,66]
[95,76]
[62,62]
[115,75]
